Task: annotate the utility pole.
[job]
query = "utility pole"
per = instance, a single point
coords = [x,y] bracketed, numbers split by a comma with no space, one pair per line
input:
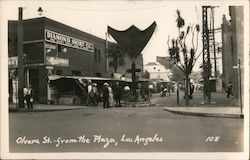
[212,40]
[20,59]
[206,56]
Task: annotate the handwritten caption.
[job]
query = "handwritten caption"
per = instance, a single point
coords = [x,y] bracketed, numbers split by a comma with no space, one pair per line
[96,139]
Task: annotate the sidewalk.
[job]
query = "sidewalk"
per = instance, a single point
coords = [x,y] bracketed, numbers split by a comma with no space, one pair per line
[44,108]
[220,106]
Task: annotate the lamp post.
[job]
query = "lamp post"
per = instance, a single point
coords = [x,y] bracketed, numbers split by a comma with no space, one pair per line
[21,56]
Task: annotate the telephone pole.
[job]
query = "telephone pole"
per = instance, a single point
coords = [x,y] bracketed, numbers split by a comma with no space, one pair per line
[20,59]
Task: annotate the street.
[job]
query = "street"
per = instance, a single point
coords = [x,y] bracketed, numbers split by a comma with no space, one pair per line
[124,129]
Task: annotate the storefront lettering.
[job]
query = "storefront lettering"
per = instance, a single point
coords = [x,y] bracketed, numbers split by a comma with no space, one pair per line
[13,61]
[55,61]
[58,38]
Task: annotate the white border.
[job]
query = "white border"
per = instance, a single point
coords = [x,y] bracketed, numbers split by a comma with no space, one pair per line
[169,155]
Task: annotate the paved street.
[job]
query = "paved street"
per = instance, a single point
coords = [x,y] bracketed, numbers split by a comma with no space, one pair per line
[125,129]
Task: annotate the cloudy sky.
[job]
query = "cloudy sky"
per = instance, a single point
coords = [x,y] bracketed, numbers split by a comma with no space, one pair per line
[94,17]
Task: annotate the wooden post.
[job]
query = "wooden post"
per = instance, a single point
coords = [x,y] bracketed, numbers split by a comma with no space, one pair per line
[20,59]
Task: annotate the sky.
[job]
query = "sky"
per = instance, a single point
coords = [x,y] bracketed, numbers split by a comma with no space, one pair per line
[94,17]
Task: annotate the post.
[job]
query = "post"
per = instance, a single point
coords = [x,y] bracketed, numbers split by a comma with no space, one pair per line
[240,96]
[133,78]
[20,59]
[177,91]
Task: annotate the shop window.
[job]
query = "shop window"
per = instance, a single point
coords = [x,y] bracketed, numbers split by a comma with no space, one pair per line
[99,55]
[98,74]
[59,72]
[95,55]
[76,73]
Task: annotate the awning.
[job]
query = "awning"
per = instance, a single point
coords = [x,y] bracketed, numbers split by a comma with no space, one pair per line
[55,77]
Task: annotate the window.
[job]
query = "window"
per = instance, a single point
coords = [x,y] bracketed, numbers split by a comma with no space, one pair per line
[76,73]
[95,55]
[99,55]
[98,74]
[59,72]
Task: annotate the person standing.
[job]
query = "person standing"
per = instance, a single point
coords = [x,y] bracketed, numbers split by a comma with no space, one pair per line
[95,90]
[150,90]
[105,95]
[229,89]
[89,88]
[28,97]
[111,96]
[118,94]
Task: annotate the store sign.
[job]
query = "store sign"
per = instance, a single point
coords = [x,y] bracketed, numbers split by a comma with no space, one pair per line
[55,61]
[50,46]
[13,61]
[58,38]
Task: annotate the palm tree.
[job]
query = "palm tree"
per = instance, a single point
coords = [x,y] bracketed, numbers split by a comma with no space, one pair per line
[117,58]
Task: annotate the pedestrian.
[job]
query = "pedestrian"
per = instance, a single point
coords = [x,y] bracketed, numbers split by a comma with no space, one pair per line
[118,94]
[229,89]
[111,96]
[92,95]
[191,90]
[96,94]
[105,95]
[28,96]
[150,90]
[84,93]
[89,88]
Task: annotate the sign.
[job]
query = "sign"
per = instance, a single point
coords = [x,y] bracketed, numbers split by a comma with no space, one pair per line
[55,61]
[13,61]
[235,67]
[58,38]
[50,46]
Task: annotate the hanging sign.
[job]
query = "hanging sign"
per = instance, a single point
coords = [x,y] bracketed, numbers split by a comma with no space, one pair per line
[55,61]
[62,39]
[13,61]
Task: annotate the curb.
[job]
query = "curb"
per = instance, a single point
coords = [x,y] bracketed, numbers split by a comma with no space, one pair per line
[240,116]
[140,104]
[14,110]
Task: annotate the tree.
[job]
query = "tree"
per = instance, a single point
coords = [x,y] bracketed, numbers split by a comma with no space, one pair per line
[146,75]
[117,58]
[183,49]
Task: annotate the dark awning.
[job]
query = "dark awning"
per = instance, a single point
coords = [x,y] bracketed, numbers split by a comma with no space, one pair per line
[133,40]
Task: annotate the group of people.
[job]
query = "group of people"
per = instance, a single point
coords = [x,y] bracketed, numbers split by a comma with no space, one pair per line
[111,94]
[28,96]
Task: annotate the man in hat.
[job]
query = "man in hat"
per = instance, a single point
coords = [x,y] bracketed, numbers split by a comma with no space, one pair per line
[105,95]
[118,94]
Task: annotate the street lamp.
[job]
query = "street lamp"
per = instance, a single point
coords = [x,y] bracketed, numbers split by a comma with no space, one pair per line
[40,11]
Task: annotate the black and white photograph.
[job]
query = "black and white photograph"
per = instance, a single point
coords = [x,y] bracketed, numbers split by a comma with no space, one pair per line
[124,79]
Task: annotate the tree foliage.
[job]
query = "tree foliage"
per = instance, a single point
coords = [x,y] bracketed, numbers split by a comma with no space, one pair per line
[146,75]
[183,49]
[117,58]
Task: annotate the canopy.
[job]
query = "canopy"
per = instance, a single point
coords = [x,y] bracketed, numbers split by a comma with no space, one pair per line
[132,41]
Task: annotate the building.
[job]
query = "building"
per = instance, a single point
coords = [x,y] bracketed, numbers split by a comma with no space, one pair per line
[233,49]
[53,50]
[157,71]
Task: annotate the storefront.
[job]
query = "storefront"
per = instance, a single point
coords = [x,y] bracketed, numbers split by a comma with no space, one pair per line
[53,49]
